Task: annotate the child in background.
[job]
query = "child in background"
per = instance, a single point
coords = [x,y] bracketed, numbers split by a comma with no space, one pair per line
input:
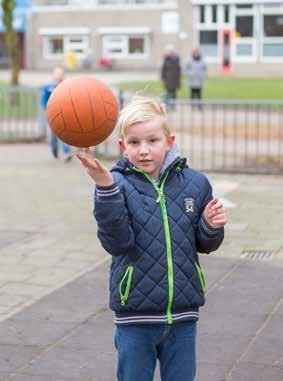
[154,215]
[58,75]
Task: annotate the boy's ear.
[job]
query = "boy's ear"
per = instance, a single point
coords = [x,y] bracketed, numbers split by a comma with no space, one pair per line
[122,145]
[171,141]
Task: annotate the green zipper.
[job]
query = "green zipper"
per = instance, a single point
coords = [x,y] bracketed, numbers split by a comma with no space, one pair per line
[128,275]
[161,200]
[201,277]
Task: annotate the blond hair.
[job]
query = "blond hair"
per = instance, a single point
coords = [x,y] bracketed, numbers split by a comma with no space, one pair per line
[142,109]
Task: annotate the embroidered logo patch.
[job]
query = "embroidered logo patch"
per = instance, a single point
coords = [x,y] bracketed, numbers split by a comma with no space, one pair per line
[189,205]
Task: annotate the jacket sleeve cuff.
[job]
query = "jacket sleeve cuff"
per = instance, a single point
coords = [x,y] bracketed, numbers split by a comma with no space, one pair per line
[207,228]
[107,192]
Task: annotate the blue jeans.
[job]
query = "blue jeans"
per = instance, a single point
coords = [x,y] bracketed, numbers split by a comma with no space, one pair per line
[54,143]
[139,347]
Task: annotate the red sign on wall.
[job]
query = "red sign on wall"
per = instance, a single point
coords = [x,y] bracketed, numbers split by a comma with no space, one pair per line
[226,50]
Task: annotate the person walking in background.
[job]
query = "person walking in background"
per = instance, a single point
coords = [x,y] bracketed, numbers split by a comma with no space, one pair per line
[171,75]
[57,77]
[196,75]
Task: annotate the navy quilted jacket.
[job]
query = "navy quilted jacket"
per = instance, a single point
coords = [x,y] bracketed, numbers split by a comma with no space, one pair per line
[153,232]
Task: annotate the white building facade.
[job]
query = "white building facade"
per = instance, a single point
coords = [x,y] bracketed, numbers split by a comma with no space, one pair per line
[254,30]
[235,36]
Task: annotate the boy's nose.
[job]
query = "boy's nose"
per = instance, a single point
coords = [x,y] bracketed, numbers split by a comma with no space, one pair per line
[144,149]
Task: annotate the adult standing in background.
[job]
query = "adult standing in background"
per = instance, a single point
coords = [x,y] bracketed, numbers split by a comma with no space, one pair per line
[196,74]
[57,77]
[171,75]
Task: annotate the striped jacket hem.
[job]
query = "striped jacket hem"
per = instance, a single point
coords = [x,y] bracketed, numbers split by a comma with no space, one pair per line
[155,319]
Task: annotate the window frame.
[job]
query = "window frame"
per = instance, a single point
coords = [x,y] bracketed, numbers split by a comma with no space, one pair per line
[276,11]
[252,41]
[210,59]
[46,54]
[125,40]
[67,45]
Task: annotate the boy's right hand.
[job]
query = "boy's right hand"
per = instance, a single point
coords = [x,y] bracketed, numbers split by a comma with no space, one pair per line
[100,174]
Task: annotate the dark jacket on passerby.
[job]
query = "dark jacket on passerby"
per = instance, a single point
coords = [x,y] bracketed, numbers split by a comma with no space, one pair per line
[154,231]
[171,72]
[196,72]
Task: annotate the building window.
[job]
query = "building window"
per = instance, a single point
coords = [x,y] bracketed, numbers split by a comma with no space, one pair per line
[208,36]
[273,26]
[244,6]
[244,50]
[273,50]
[244,26]
[226,13]
[272,5]
[124,46]
[77,44]
[55,46]
[209,42]
[56,2]
[136,45]
[59,46]
[272,47]
[202,14]
[114,46]
[214,13]
[136,2]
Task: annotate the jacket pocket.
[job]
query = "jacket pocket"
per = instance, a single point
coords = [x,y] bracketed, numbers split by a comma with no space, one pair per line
[201,277]
[125,285]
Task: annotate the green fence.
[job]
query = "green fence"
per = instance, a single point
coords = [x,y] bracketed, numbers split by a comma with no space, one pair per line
[21,117]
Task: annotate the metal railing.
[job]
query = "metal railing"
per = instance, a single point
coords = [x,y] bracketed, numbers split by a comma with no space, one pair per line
[21,117]
[222,135]
[231,136]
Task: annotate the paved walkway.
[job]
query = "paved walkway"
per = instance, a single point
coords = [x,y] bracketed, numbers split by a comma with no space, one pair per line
[54,319]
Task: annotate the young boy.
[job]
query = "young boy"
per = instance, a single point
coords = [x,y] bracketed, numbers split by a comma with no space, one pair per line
[154,215]
[58,75]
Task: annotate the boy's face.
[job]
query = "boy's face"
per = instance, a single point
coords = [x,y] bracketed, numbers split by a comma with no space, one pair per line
[58,75]
[146,145]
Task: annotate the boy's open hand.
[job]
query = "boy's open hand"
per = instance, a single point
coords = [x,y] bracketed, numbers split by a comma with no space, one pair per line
[100,174]
[215,214]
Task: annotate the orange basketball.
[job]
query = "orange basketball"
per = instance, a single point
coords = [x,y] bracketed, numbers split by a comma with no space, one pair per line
[82,111]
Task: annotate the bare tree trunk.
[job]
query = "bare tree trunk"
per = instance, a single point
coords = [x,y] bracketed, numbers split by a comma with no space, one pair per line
[12,40]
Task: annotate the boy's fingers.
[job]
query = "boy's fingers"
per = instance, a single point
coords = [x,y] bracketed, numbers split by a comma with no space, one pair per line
[97,162]
[216,205]
[219,223]
[82,159]
[219,216]
[100,167]
[212,202]
[80,156]
[88,162]
[87,152]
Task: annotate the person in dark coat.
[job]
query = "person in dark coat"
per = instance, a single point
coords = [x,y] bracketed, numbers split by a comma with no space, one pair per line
[171,75]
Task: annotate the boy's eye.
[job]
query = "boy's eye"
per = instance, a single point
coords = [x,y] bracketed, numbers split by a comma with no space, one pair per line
[153,140]
[133,142]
